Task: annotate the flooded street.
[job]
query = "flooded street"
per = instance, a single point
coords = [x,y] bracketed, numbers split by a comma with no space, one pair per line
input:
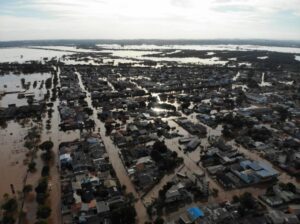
[113,153]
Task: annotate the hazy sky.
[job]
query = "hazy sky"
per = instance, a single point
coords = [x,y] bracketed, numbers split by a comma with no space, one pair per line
[161,19]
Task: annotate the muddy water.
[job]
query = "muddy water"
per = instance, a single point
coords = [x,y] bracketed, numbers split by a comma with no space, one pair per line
[13,154]
[54,181]
[12,83]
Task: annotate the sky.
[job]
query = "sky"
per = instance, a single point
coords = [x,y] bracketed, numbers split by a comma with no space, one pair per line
[149,19]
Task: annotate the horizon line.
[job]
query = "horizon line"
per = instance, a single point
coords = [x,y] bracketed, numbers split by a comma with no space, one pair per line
[152,39]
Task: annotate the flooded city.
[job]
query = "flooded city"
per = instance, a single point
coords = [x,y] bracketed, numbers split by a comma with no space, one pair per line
[139,133]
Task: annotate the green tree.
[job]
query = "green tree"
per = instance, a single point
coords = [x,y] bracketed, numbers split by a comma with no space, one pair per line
[42,186]
[45,171]
[10,206]
[247,201]
[27,188]
[7,219]
[32,166]
[160,146]
[43,212]
[159,220]
[46,145]
[124,215]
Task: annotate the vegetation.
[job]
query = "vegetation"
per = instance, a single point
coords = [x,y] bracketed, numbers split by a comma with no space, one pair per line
[27,189]
[10,206]
[43,212]
[124,215]
[45,171]
[288,187]
[166,159]
[48,154]
[48,83]
[163,191]
[32,166]
[247,202]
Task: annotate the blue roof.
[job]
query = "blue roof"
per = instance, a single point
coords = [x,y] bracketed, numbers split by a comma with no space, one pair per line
[245,163]
[195,213]
[268,168]
[92,140]
[261,169]
[255,166]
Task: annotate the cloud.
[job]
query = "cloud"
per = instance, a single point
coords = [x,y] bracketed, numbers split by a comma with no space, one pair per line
[181,3]
[40,19]
[233,8]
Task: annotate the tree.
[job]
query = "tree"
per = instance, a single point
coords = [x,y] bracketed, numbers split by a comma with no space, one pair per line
[46,145]
[270,191]
[124,215]
[41,198]
[215,192]
[159,220]
[163,191]
[155,155]
[29,144]
[42,186]
[45,171]
[235,199]
[43,212]
[288,187]
[247,201]
[48,83]
[27,188]
[185,105]
[8,220]
[291,187]
[47,156]
[31,166]
[160,146]
[10,206]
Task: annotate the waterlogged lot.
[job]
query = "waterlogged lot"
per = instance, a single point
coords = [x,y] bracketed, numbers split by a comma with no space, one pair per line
[12,85]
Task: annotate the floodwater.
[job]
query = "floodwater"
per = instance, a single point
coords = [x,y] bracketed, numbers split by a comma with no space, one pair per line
[129,53]
[64,48]
[12,83]
[263,83]
[13,153]
[21,55]
[228,47]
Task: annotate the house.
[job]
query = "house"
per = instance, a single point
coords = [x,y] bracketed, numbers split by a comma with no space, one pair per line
[142,162]
[102,208]
[193,144]
[192,215]
[174,193]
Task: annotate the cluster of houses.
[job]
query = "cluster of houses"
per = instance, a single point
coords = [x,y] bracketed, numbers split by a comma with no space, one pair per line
[73,109]
[251,112]
[233,170]
[229,213]
[281,195]
[194,129]
[90,190]
[25,111]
